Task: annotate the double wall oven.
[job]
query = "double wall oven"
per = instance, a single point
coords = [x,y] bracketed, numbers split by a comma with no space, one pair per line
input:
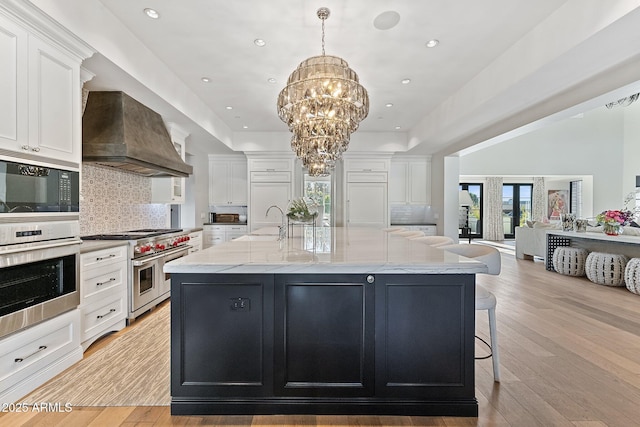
[39,244]
[149,250]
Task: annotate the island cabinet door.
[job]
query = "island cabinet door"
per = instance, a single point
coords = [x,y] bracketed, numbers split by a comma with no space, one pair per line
[425,336]
[324,336]
[221,330]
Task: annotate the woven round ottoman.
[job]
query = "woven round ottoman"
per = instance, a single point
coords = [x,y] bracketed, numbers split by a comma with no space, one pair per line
[569,261]
[632,275]
[606,269]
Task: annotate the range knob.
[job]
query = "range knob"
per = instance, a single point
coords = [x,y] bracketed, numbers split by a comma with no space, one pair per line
[143,249]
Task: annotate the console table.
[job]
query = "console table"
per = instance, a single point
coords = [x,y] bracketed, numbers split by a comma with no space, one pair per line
[621,244]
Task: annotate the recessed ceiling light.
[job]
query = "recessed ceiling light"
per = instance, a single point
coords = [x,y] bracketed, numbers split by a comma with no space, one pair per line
[259,42]
[398,128]
[206,79]
[271,80]
[406,81]
[432,43]
[152,13]
[245,127]
[229,107]
[388,105]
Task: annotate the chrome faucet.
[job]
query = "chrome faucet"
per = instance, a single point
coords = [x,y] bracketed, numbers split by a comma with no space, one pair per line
[282,229]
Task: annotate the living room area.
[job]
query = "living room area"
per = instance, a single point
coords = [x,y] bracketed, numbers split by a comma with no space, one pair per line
[574,162]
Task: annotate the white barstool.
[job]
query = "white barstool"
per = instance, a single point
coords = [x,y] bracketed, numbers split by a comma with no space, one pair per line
[392,229]
[409,234]
[434,240]
[485,300]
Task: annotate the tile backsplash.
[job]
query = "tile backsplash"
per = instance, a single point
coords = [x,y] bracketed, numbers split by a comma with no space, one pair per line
[112,200]
[412,214]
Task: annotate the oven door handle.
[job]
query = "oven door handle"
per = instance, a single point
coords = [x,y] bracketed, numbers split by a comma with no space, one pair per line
[139,263]
[41,246]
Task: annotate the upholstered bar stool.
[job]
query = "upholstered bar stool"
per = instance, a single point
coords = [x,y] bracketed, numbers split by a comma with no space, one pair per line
[434,240]
[409,234]
[632,275]
[485,300]
[569,261]
[606,269]
[392,229]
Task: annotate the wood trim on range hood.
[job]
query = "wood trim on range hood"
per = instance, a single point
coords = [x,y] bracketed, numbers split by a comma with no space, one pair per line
[120,132]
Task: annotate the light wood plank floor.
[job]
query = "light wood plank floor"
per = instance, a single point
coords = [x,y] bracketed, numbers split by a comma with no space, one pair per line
[570,356]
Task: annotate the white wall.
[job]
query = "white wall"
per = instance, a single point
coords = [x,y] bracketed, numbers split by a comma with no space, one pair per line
[602,144]
[197,190]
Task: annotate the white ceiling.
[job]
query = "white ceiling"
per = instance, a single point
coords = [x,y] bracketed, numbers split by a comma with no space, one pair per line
[214,39]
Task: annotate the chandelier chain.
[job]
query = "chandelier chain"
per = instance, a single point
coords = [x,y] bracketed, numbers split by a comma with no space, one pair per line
[323,18]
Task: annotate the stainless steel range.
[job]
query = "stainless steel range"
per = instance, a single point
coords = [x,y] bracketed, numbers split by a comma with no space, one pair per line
[149,250]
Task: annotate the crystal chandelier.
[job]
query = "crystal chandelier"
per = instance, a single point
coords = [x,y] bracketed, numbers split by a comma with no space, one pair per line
[322,104]
[624,102]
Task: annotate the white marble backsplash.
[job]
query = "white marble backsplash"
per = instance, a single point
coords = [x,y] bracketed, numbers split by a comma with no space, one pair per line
[112,200]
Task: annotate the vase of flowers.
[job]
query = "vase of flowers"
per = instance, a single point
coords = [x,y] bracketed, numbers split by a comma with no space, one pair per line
[613,220]
[302,211]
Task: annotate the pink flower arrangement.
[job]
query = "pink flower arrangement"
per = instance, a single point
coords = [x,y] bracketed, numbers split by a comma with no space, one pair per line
[615,217]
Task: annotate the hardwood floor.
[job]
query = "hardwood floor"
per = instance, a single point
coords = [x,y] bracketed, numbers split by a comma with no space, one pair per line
[570,356]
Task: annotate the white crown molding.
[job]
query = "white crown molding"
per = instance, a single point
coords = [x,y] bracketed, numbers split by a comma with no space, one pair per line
[42,25]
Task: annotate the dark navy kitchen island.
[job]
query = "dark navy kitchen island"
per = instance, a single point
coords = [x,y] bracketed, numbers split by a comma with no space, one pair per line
[371,324]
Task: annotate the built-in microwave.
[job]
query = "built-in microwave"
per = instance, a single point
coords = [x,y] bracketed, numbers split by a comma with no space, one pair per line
[26,189]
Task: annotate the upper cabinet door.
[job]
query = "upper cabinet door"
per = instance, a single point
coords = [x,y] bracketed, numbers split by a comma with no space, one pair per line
[409,182]
[238,187]
[228,182]
[218,175]
[398,183]
[54,103]
[13,86]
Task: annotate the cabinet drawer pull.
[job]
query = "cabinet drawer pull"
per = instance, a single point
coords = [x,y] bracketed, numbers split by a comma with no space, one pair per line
[112,279]
[100,316]
[36,149]
[22,359]
[25,147]
[101,258]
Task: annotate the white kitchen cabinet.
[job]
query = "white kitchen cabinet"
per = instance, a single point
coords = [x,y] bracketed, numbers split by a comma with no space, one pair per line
[171,189]
[366,191]
[366,164]
[270,183]
[366,204]
[33,356]
[265,194]
[269,164]
[217,234]
[103,292]
[409,182]
[195,241]
[40,85]
[227,181]
[13,85]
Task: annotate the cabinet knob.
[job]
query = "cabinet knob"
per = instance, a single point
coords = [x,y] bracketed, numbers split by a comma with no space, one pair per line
[25,147]
[36,149]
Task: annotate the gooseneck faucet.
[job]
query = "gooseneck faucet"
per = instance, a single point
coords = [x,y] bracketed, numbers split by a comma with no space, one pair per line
[282,229]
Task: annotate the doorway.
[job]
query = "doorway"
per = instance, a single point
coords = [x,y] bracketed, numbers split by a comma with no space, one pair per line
[516,207]
[319,189]
[472,215]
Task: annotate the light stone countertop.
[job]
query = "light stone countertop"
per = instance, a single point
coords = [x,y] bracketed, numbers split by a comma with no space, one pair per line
[338,250]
